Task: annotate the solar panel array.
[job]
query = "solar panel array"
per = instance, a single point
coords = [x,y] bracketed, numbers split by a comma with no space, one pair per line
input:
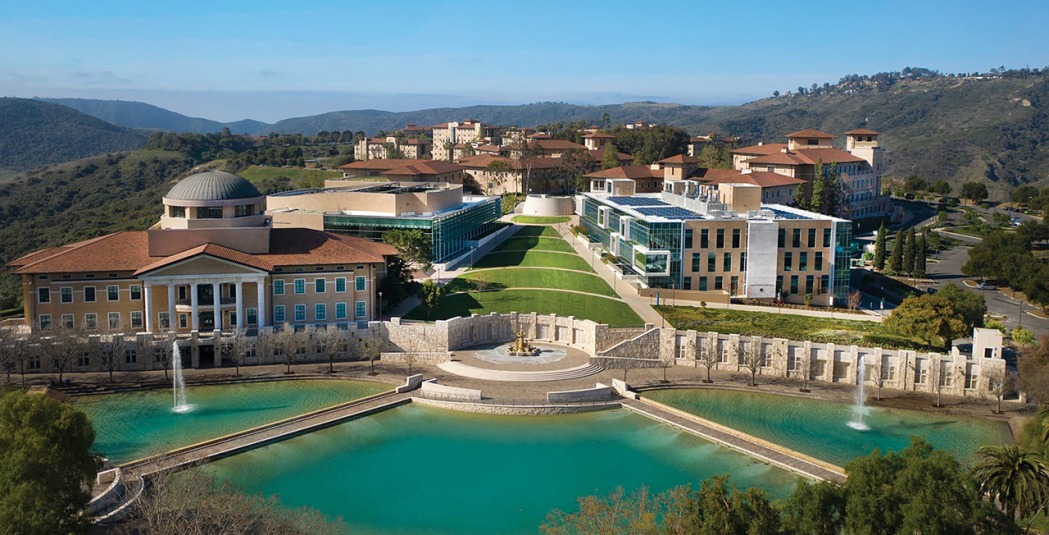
[781,214]
[637,201]
[670,212]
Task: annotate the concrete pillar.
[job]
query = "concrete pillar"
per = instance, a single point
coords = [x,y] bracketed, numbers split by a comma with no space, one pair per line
[171,308]
[195,309]
[240,305]
[149,308]
[216,290]
[260,288]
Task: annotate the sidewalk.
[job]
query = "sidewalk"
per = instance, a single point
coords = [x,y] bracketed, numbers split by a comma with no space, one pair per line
[640,304]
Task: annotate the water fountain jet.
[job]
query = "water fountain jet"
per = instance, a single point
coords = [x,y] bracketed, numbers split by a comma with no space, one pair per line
[858,409]
[179,382]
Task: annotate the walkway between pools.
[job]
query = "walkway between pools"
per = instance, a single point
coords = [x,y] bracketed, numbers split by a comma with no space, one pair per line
[756,448]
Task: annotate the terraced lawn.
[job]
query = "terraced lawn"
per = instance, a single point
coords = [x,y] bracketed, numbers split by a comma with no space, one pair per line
[548,232]
[532,278]
[540,220]
[535,243]
[532,259]
[600,309]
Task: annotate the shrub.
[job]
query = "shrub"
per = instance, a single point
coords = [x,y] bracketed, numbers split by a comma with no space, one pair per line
[1023,337]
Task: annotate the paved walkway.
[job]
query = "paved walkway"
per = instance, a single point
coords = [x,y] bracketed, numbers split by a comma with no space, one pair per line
[489,374]
[741,442]
[625,291]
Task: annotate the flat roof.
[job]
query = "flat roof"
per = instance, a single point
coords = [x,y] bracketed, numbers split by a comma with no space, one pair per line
[649,206]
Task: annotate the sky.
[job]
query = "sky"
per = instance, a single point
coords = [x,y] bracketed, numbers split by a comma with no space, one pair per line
[264,60]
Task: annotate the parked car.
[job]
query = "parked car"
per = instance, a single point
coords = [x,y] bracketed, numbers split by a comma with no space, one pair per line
[1016,221]
[985,286]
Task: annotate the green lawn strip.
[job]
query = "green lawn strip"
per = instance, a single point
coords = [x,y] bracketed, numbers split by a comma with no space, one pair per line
[532,259]
[599,309]
[533,278]
[540,220]
[548,232]
[538,244]
[790,326]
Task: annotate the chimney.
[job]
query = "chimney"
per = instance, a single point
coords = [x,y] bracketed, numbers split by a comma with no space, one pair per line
[760,143]
[784,150]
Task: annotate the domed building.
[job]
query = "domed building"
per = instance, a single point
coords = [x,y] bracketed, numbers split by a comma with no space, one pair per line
[212,264]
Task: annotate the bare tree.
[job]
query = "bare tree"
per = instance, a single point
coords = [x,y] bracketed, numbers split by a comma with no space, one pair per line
[109,345]
[753,358]
[942,375]
[287,343]
[481,283]
[331,342]
[709,357]
[876,370]
[371,346]
[234,347]
[61,346]
[666,360]
[999,381]
[853,300]
[9,348]
[808,364]
[162,349]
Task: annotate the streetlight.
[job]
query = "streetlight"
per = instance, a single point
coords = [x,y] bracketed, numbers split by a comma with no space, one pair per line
[1021,325]
[380,306]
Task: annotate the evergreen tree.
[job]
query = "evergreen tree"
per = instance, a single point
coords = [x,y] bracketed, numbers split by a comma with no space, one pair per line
[801,196]
[896,260]
[919,258]
[908,252]
[818,185]
[879,249]
[831,190]
[609,159]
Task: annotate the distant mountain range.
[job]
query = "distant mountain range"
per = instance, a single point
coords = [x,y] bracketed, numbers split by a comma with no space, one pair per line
[150,117]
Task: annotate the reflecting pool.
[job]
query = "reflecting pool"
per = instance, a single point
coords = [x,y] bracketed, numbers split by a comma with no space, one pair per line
[418,469]
[130,426]
[820,428]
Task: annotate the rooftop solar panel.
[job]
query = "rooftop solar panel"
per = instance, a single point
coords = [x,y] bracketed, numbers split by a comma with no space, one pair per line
[781,214]
[637,201]
[670,212]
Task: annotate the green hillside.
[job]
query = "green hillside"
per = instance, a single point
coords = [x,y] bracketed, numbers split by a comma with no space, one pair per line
[148,116]
[34,133]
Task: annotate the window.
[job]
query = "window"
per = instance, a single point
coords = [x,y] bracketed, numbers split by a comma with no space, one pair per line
[164,319]
[358,284]
[735,238]
[91,321]
[232,318]
[826,237]
[688,283]
[712,262]
[721,238]
[114,320]
[278,287]
[209,212]
[34,363]
[43,295]
[360,309]
[83,360]
[688,238]
[300,312]
[702,284]
[252,315]
[921,371]
[318,285]
[796,238]
[130,356]
[300,286]
[697,259]
[136,292]
[824,284]
[803,261]
[779,285]
[112,293]
[66,294]
[183,321]
[788,261]
[136,320]
[812,237]
[67,321]
[278,314]
[320,312]
[718,283]
[808,284]
[734,285]
[340,284]
[726,263]
[782,238]
[818,262]
[340,311]
[89,294]
[177,211]
[704,238]
[244,210]
[742,261]
[793,284]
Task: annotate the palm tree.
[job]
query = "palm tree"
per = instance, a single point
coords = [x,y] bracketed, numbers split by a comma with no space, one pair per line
[1017,477]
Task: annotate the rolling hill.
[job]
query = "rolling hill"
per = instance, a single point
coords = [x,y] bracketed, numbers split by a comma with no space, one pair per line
[148,116]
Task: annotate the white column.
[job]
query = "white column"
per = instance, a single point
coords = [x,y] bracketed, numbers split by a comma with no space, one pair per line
[260,288]
[149,308]
[216,290]
[171,308]
[240,305]
[195,312]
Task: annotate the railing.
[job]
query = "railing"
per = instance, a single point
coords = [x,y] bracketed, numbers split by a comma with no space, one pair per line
[514,402]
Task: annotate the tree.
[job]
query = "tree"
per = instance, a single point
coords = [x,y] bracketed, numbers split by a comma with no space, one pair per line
[1033,367]
[666,360]
[818,184]
[896,259]
[480,283]
[1037,288]
[942,376]
[414,245]
[1023,194]
[234,348]
[371,347]
[431,294]
[499,170]
[332,342]
[999,381]
[920,259]
[286,343]
[908,252]
[970,305]
[45,452]
[753,358]
[927,317]
[1016,477]
[1003,256]
[974,191]
[853,300]
[815,508]
[397,284]
[160,348]
[879,248]
[526,154]
[109,346]
[61,346]
[636,513]
[709,357]
[10,345]
[574,164]
[941,187]
[610,158]
[876,372]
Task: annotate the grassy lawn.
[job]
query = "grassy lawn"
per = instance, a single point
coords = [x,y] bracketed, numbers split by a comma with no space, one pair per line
[773,325]
[540,220]
[547,232]
[532,259]
[539,244]
[599,309]
[533,278]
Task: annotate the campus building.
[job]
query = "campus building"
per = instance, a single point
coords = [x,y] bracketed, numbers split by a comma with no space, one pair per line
[447,135]
[212,263]
[454,221]
[404,170]
[719,241]
[377,148]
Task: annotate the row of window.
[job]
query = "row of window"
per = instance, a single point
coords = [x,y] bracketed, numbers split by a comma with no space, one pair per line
[803,261]
[114,320]
[712,262]
[65,294]
[719,284]
[319,285]
[719,238]
[796,237]
[810,280]
[320,312]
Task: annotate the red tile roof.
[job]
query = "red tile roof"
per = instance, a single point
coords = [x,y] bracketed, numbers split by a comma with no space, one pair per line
[599,135]
[764,179]
[122,251]
[768,148]
[558,144]
[481,161]
[426,167]
[634,172]
[704,173]
[806,157]
[679,159]
[862,132]
[809,132]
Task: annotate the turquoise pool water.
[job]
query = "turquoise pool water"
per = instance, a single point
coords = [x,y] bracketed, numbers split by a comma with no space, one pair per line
[420,470]
[818,428]
[133,425]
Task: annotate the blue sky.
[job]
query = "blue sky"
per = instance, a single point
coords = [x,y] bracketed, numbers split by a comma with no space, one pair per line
[229,60]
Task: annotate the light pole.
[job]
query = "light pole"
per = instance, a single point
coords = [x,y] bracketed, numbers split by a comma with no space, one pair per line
[1021,325]
[380,306]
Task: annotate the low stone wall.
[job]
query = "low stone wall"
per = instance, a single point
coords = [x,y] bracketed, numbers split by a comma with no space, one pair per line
[598,393]
[431,358]
[432,390]
[517,410]
[410,383]
[541,205]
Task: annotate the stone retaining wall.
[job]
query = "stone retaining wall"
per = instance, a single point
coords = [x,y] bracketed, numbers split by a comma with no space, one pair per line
[519,410]
[449,393]
[598,393]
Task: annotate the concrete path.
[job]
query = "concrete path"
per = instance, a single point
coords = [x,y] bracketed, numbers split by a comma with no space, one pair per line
[754,447]
[624,290]
[868,315]
[489,374]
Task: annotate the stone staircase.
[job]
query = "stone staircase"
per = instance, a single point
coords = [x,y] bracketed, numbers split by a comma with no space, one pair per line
[487,374]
